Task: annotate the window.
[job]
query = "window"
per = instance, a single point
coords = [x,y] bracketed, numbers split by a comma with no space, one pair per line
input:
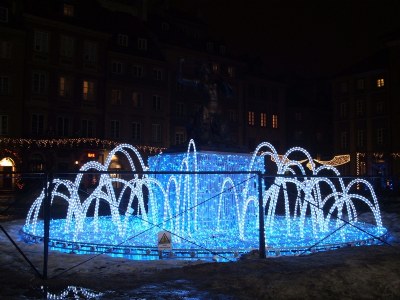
[3,124]
[275,121]
[380,82]
[114,128]
[164,26]
[88,90]
[67,46]
[142,44]
[41,41]
[298,116]
[136,131]
[263,120]
[4,85]
[360,138]
[68,10]
[252,90]
[62,127]
[231,71]
[180,109]
[215,68]
[156,103]
[210,46]
[359,107]
[380,107]
[137,71]
[37,124]
[116,67]
[298,135]
[250,117]
[156,133]
[343,87]
[5,49]
[137,100]
[360,84]
[3,14]
[179,137]
[232,115]
[343,110]
[380,136]
[157,74]
[222,49]
[343,140]
[64,87]
[90,52]
[123,40]
[116,96]
[87,128]
[39,82]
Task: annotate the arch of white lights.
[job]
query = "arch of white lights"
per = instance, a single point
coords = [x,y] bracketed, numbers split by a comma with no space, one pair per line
[218,212]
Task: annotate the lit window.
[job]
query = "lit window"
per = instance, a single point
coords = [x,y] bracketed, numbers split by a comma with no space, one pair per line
[137,71]
[114,128]
[231,71]
[41,41]
[136,131]
[360,138]
[379,136]
[68,10]
[142,44]
[123,40]
[4,85]
[137,100]
[275,121]
[88,90]
[263,120]
[5,49]
[3,14]
[156,103]
[156,133]
[116,96]
[39,82]
[380,82]
[62,126]
[37,124]
[90,52]
[343,140]
[360,84]
[67,46]
[157,74]
[64,86]
[87,128]
[116,67]
[250,117]
[3,124]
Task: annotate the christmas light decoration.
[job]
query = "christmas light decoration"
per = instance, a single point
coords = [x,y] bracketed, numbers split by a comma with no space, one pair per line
[209,203]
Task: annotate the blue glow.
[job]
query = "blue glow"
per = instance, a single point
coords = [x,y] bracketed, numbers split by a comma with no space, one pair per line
[209,213]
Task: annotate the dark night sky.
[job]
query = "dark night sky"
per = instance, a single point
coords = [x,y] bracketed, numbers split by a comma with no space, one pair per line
[306,38]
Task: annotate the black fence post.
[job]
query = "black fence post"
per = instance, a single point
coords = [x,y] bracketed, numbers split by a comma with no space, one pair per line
[261,217]
[46,217]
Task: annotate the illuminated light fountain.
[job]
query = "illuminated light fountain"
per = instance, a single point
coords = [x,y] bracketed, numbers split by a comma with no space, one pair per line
[209,202]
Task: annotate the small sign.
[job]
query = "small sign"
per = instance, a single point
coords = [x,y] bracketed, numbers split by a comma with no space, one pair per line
[164,240]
